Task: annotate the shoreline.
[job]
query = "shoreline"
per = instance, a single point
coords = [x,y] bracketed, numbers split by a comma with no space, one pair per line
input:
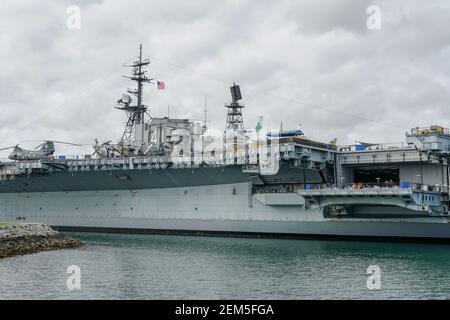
[27,238]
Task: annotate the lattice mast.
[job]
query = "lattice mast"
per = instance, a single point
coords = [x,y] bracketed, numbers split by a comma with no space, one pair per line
[235,120]
[135,113]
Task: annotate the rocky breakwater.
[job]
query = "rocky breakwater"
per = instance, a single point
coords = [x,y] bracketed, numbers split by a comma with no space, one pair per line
[26,238]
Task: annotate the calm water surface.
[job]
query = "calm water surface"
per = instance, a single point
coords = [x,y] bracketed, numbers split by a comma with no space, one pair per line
[116,266]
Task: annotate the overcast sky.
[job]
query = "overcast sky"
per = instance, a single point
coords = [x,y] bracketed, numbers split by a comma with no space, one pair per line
[298,61]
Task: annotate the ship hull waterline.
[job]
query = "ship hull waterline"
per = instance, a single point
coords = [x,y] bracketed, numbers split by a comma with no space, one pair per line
[226,210]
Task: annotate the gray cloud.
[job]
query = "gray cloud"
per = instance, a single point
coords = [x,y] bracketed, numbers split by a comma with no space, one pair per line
[308,62]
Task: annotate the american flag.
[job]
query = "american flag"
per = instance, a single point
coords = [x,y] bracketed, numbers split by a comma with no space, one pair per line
[161,85]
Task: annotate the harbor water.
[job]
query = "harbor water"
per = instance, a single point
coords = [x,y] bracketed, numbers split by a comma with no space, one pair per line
[121,266]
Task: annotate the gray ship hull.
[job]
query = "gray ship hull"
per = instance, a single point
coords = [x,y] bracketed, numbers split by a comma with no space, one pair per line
[227,209]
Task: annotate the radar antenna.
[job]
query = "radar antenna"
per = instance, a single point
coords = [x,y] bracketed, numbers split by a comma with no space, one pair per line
[135,113]
[234,116]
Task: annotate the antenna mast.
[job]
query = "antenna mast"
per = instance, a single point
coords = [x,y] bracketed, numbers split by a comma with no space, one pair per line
[205,110]
[135,113]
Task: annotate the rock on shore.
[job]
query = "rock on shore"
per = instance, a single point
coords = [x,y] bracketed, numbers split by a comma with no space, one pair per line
[26,238]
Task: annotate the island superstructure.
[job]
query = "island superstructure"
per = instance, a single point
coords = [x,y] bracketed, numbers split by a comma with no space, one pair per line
[167,175]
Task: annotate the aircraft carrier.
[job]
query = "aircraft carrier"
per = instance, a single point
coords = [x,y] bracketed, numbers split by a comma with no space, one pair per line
[167,175]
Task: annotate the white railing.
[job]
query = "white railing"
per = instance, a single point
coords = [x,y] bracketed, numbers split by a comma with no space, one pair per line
[381,185]
[375,147]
